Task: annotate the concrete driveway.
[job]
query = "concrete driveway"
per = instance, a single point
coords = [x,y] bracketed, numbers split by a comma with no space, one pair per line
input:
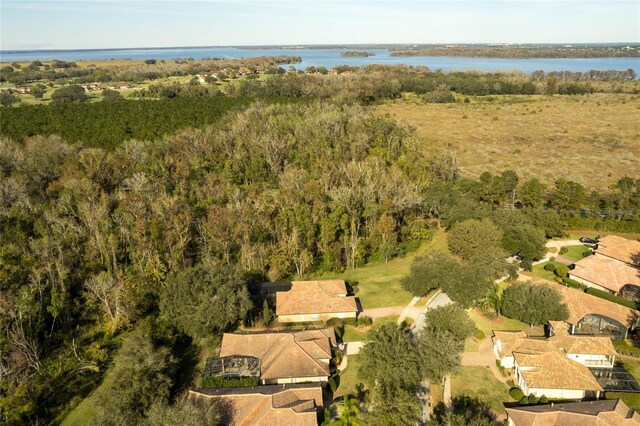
[440,300]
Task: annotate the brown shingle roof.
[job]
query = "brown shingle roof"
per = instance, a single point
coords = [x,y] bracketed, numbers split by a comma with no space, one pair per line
[619,248]
[612,412]
[315,297]
[607,273]
[581,304]
[275,405]
[553,370]
[283,355]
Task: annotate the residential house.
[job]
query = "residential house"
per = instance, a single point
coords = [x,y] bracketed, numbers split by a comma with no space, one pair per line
[590,351]
[592,315]
[608,412]
[274,405]
[285,357]
[315,301]
[605,274]
[554,375]
[619,249]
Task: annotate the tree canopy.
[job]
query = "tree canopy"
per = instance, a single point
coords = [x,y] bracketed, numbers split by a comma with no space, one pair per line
[533,304]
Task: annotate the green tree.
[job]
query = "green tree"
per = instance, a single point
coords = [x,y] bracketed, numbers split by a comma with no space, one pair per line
[525,240]
[568,194]
[184,412]
[204,300]
[73,94]
[7,99]
[429,272]
[38,91]
[142,370]
[532,193]
[472,238]
[533,304]
[452,319]
[510,183]
[111,95]
[267,314]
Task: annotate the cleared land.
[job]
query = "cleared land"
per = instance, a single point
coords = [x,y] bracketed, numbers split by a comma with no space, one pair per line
[592,139]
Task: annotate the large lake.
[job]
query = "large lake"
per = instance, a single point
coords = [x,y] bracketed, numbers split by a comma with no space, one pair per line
[331,57]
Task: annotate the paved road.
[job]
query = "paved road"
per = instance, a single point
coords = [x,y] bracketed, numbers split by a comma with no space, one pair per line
[440,300]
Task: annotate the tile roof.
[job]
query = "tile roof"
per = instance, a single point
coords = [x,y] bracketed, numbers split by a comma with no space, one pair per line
[613,412]
[553,370]
[274,405]
[517,341]
[507,340]
[584,345]
[560,328]
[607,273]
[315,297]
[581,304]
[619,248]
[284,355]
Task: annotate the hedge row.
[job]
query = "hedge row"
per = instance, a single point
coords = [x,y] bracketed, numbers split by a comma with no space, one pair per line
[612,298]
[212,382]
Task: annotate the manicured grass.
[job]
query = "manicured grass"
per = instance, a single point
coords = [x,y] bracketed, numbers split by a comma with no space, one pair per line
[574,252]
[488,325]
[631,399]
[539,271]
[522,133]
[349,377]
[479,382]
[379,284]
[471,345]
[356,334]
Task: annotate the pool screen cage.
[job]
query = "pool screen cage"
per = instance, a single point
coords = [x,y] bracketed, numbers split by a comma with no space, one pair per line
[600,325]
[233,366]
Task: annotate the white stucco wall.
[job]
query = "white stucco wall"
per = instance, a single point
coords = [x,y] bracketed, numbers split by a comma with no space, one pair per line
[589,283]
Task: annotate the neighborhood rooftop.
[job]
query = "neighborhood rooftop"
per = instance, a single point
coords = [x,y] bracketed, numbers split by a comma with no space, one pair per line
[315,297]
[607,273]
[620,249]
[284,355]
[271,405]
[553,370]
[613,412]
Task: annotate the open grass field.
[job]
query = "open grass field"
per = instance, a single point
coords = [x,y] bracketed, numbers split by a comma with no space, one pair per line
[575,252]
[538,271]
[592,139]
[379,284]
[479,382]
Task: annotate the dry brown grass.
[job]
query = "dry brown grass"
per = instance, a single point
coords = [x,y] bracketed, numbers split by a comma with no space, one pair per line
[592,139]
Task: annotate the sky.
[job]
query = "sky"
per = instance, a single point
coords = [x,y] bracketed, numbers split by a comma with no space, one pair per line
[86,24]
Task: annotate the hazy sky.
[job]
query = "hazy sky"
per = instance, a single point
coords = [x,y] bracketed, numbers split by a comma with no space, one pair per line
[57,24]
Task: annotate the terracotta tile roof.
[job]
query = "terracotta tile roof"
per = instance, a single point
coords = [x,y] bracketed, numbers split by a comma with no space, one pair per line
[283,355]
[606,273]
[315,297]
[584,345]
[553,370]
[560,328]
[581,304]
[274,405]
[612,412]
[619,248]
[517,341]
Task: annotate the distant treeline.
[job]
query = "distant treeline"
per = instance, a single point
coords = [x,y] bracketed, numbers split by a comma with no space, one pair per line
[357,54]
[61,71]
[108,124]
[520,52]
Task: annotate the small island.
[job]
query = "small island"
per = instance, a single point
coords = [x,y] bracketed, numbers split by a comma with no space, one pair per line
[357,54]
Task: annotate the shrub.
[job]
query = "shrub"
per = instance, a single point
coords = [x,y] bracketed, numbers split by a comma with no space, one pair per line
[516,393]
[533,400]
[364,321]
[612,298]
[524,401]
[561,271]
[563,250]
[574,284]
[211,382]
[549,267]
[543,400]
[479,334]
[439,97]
[332,384]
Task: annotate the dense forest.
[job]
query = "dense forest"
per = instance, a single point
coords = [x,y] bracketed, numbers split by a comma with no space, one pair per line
[96,240]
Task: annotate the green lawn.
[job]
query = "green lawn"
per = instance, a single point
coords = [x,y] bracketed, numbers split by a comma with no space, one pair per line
[539,271]
[88,408]
[356,334]
[379,284]
[488,325]
[479,382]
[349,377]
[574,252]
